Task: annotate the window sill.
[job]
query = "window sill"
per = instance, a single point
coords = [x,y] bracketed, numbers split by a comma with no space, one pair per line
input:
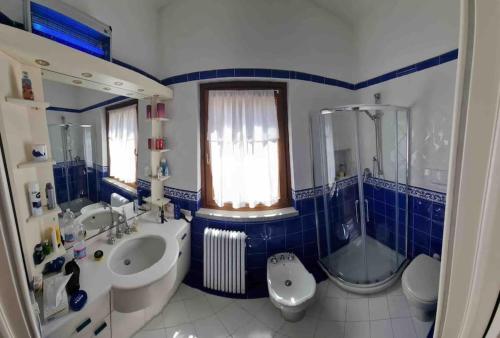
[120,185]
[247,216]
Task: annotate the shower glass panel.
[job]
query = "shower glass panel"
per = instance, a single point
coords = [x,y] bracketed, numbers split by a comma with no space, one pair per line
[361,217]
[73,150]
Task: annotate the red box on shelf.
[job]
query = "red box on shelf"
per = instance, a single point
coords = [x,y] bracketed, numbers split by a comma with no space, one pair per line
[148,111]
[160,110]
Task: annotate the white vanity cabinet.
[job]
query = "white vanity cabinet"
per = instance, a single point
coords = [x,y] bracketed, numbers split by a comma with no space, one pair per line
[92,321]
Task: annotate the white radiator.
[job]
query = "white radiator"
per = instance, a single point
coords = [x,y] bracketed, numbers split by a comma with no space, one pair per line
[224,260]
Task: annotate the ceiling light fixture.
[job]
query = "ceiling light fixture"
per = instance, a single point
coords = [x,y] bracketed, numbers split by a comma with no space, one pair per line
[42,62]
[77,82]
[140,90]
[107,88]
[86,75]
[118,83]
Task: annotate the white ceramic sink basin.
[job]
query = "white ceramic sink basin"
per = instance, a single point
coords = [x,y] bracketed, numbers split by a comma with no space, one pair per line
[137,254]
[141,266]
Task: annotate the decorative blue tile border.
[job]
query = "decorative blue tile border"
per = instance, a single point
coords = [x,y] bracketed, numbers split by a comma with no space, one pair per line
[318,191]
[422,193]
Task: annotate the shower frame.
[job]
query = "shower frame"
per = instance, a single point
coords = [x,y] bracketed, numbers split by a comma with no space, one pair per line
[378,286]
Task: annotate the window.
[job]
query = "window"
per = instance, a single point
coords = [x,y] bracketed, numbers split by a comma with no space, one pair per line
[122,141]
[244,145]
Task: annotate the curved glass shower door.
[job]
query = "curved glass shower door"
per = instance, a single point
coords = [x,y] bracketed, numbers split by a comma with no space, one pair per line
[360,164]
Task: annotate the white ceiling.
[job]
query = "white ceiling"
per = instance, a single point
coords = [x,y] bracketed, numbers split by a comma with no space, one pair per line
[348,11]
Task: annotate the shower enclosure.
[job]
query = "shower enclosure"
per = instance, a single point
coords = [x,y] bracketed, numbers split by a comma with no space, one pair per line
[361,172]
[75,179]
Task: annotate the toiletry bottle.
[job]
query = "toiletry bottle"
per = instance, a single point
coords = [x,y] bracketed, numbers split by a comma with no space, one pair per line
[53,238]
[79,248]
[35,200]
[68,226]
[160,172]
[27,88]
[50,193]
[164,167]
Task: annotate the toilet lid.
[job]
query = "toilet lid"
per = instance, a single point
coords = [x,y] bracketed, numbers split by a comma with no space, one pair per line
[421,278]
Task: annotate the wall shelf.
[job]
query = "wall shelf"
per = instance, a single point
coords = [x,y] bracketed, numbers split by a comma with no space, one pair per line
[28,103]
[159,119]
[159,150]
[46,213]
[36,164]
[160,202]
[161,179]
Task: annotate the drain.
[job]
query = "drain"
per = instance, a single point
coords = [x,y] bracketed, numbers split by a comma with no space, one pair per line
[127,261]
[288,282]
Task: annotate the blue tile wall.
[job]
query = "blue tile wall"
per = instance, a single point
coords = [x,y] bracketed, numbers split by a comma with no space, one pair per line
[77,174]
[425,217]
[294,234]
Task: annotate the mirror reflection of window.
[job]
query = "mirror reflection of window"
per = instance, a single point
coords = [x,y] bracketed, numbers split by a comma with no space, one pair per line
[122,143]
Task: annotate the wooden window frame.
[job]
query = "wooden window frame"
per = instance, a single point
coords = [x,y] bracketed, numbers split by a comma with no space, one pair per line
[114,107]
[280,88]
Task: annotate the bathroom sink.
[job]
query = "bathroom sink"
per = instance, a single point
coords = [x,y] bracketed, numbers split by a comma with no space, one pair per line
[137,254]
[141,266]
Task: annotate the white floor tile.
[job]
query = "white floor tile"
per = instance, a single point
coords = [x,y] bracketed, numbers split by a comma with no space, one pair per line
[218,303]
[155,323]
[150,334]
[270,316]
[210,327]
[303,328]
[357,330]
[198,308]
[234,317]
[357,310]
[379,309]
[403,328]
[322,288]
[421,328]
[315,309]
[334,309]
[182,331]
[174,314]
[187,292]
[252,306]
[395,289]
[334,291]
[329,329]
[398,307]
[253,329]
[381,329]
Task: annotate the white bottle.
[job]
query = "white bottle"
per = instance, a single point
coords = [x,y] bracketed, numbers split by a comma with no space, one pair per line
[69,226]
[35,200]
[79,248]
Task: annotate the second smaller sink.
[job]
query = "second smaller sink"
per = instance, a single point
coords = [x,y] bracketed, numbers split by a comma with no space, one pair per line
[137,254]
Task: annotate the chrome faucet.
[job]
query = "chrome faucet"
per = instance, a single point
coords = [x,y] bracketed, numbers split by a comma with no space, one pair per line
[126,226]
[111,237]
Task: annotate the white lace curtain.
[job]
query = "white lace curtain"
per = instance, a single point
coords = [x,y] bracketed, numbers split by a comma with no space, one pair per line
[243,138]
[122,140]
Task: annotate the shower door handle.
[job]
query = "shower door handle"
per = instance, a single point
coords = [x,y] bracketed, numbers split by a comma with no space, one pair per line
[367,211]
[356,206]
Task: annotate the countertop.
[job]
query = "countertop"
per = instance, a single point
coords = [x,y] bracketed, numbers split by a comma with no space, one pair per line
[95,276]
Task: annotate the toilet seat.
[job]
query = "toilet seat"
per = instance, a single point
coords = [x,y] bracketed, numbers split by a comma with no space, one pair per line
[421,279]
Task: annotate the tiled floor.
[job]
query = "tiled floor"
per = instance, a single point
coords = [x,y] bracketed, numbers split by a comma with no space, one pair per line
[335,313]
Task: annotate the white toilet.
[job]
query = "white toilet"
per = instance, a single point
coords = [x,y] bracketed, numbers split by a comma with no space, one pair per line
[420,283]
[291,287]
